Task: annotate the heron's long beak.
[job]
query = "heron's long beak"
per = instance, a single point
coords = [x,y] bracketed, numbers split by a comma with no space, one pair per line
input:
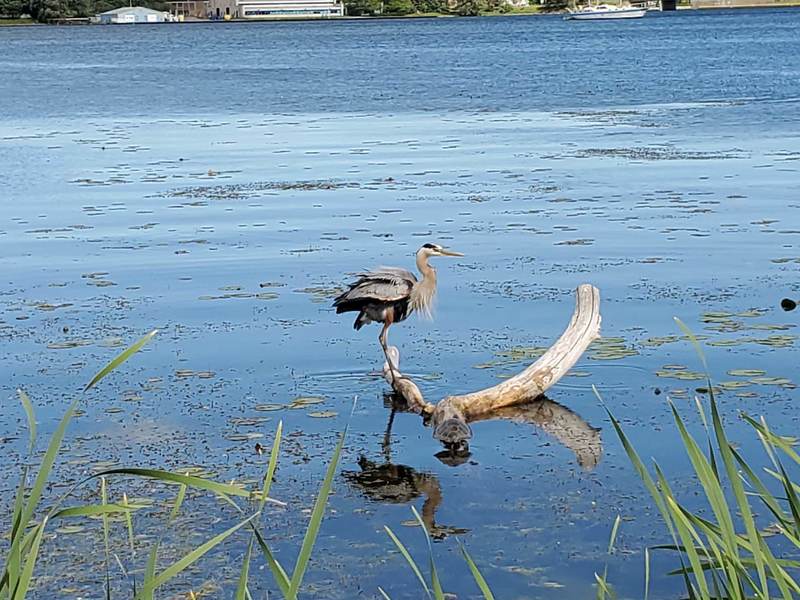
[446,252]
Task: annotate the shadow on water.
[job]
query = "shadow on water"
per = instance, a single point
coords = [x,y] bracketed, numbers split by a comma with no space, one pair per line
[392,483]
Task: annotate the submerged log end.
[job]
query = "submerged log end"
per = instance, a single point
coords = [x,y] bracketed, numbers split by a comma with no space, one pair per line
[405,387]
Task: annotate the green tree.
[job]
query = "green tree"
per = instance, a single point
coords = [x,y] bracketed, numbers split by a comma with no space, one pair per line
[13,9]
[469,8]
[44,10]
[553,5]
[398,7]
[362,7]
[430,6]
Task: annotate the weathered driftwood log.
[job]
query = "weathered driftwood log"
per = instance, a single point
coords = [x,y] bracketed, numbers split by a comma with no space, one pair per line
[451,416]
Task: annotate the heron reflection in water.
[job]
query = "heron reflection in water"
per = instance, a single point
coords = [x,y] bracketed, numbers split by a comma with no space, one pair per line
[390,294]
[392,483]
[389,482]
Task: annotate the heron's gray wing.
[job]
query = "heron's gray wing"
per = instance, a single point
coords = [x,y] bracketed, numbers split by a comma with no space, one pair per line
[392,274]
[384,284]
[380,288]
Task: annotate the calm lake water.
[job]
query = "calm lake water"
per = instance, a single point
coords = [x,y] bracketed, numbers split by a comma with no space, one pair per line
[220,182]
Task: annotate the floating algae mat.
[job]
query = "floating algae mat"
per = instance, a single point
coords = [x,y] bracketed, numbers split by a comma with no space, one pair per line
[610,348]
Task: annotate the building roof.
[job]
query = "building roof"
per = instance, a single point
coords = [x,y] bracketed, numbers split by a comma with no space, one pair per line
[137,10]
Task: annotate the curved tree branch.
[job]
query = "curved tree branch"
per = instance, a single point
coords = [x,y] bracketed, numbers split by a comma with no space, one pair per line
[451,416]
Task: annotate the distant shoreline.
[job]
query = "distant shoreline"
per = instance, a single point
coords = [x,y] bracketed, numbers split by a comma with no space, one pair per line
[533,12]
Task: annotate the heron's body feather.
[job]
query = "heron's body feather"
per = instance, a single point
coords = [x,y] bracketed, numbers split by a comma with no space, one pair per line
[390,294]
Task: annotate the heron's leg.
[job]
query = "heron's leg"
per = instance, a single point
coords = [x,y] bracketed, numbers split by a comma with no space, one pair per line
[388,319]
[387,438]
[382,340]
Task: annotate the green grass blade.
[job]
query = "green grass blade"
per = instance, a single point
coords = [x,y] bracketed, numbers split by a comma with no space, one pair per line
[695,342]
[189,559]
[241,588]
[273,464]
[24,581]
[383,594]
[436,585]
[188,480]
[640,469]
[31,415]
[688,536]
[47,464]
[128,522]
[603,589]
[104,501]
[762,492]
[476,574]
[646,574]
[120,358]
[14,561]
[742,502]
[176,507]
[785,443]
[613,536]
[41,479]
[93,510]
[708,477]
[278,572]
[407,555]
[708,480]
[148,589]
[316,520]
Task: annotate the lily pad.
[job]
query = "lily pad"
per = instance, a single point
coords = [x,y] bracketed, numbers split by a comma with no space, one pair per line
[305,401]
[746,372]
[244,437]
[770,381]
[268,407]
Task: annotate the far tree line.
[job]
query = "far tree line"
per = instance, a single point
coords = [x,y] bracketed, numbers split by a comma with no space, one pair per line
[49,10]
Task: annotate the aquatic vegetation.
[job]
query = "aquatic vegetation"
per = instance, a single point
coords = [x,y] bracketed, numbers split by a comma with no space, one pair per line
[727,550]
[26,534]
[434,591]
[610,348]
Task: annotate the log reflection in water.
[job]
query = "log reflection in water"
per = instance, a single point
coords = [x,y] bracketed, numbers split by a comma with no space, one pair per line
[567,427]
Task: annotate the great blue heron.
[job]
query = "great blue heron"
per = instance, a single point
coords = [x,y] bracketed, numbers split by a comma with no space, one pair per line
[389,294]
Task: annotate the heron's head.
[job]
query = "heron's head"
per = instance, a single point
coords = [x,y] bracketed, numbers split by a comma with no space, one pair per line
[429,250]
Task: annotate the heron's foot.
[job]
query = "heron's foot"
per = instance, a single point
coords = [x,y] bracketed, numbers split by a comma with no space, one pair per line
[395,376]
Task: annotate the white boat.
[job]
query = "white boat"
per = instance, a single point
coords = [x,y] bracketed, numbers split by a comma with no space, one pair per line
[605,11]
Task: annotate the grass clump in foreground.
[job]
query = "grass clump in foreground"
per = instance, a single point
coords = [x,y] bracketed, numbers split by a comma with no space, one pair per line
[725,554]
[29,519]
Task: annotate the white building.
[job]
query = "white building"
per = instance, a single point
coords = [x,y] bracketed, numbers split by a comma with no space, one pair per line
[133,14]
[275,9]
[265,9]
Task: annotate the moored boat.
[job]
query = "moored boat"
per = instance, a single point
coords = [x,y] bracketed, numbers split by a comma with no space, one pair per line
[605,11]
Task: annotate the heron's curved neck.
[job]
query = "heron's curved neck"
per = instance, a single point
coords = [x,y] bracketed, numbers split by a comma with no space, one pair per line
[422,293]
[428,272]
